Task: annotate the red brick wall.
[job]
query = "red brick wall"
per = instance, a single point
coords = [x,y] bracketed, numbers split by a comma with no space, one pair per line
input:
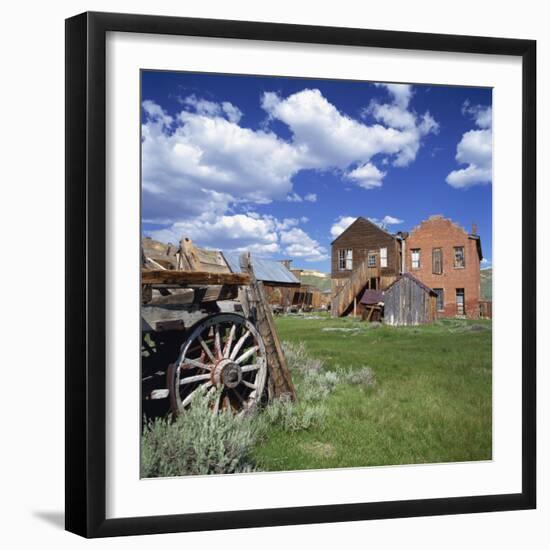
[439,232]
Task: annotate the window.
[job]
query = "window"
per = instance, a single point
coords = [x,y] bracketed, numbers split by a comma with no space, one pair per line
[440,299]
[460,310]
[383,257]
[415,258]
[459,256]
[371,262]
[345,259]
[437,261]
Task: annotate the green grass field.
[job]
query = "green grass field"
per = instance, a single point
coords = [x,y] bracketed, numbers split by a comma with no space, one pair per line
[431,401]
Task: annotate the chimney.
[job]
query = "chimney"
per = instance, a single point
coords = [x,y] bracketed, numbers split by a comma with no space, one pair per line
[474,228]
[286,263]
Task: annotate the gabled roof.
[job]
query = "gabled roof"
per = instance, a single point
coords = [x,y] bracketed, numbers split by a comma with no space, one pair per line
[363,219]
[417,281]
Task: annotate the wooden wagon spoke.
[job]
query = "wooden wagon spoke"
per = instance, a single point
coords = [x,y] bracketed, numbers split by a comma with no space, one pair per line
[206,349]
[217,343]
[226,404]
[239,344]
[196,364]
[229,341]
[192,395]
[217,402]
[248,353]
[196,378]
[213,359]
[250,368]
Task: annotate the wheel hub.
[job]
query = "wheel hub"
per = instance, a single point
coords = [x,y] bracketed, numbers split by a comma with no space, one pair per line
[227,373]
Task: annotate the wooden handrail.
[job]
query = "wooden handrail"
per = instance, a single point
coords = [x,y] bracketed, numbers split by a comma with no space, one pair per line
[349,291]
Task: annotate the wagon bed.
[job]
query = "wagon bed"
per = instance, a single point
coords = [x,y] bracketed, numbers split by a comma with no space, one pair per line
[207,327]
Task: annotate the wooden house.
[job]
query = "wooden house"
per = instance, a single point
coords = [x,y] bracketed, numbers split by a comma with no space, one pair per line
[364,256]
[408,301]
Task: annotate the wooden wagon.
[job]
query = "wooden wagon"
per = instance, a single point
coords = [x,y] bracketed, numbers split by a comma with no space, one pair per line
[207,326]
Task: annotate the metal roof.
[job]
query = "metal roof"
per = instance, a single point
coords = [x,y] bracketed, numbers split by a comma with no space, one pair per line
[265,270]
[371,297]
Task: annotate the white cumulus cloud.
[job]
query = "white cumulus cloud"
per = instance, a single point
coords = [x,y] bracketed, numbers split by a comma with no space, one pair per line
[400,116]
[300,245]
[340,225]
[310,197]
[200,166]
[325,137]
[367,176]
[386,220]
[475,150]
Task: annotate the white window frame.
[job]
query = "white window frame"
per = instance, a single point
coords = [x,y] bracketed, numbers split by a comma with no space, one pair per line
[415,261]
[371,255]
[455,263]
[384,257]
[345,259]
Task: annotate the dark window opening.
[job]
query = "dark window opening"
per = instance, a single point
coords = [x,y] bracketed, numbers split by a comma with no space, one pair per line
[440,299]
[460,309]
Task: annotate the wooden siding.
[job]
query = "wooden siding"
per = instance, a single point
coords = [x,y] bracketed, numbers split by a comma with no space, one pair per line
[361,237]
[352,288]
[407,303]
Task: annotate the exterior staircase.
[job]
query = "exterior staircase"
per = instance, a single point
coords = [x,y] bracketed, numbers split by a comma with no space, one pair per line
[359,280]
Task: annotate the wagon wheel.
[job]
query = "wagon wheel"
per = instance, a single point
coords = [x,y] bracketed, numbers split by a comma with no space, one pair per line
[223,352]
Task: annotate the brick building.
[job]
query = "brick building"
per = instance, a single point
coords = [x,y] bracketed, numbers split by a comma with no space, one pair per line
[447,259]
[438,252]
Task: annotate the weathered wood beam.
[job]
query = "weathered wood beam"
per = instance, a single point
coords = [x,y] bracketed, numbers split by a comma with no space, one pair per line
[282,285]
[188,296]
[190,253]
[174,277]
[280,377]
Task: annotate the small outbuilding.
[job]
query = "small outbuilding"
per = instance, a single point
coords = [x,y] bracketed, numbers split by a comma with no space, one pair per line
[371,304]
[408,301]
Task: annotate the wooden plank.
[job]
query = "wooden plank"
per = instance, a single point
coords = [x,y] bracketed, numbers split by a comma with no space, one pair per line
[280,378]
[212,260]
[188,251]
[174,277]
[188,296]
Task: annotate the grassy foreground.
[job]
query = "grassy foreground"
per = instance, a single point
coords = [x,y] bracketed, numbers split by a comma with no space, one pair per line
[431,401]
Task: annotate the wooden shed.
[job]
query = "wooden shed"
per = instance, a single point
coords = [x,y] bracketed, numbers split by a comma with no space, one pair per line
[409,301]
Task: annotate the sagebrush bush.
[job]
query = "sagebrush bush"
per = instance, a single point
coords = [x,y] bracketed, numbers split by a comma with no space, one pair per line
[291,417]
[363,376]
[198,442]
[298,359]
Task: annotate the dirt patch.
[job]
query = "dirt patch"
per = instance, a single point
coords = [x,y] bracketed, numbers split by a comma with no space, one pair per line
[338,329]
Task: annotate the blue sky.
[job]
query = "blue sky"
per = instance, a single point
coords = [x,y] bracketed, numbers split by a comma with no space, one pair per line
[280,166]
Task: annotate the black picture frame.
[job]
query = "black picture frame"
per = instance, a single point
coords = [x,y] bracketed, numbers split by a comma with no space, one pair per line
[86,278]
